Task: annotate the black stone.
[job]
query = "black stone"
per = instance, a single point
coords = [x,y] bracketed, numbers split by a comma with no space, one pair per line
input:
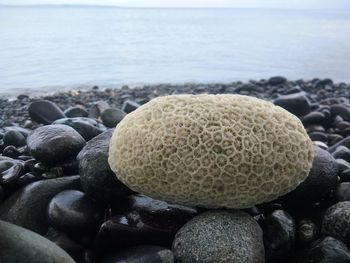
[129,106]
[21,245]
[45,112]
[334,138]
[140,254]
[342,165]
[10,176]
[97,108]
[278,235]
[97,178]
[88,128]
[341,110]
[27,206]
[76,111]
[273,81]
[320,183]
[111,117]
[28,178]
[14,138]
[318,136]
[345,175]
[342,192]
[11,151]
[74,211]
[342,152]
[314,117]
[307,232]
[54,144]
[297,103]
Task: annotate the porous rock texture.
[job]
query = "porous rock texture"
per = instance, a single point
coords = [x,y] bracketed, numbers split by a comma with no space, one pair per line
[212,151]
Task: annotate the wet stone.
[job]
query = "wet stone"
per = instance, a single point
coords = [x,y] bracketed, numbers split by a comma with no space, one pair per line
[341,110]
[279,236]
[307,232]
[28,178]
[111,117]
[88,128]
[297,103]
[318,136]
[14,138]
[76,111]
[74,211]
[129,106]
[11,151]
[342,192]
[345,175]
[97,178]
[97,108]
[21,245]
[45,112]
[314,117]
[345,142]
[140,254]
[54,144]
[27,206]
[342,152]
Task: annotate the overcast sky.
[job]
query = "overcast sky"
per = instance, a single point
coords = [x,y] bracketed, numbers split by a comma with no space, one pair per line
[338,4]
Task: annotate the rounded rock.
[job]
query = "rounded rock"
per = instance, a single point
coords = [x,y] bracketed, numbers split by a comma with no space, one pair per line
[336,221]
[211,150]
[219,236]
[54,144]
[111,117]
[72,210]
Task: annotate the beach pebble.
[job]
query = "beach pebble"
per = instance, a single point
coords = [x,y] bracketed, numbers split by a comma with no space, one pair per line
[140,254]
[342,152]
[74,211]
[320,183]
[27,206]
[14,138]
[336,221]
[129,106]
[97,108]
[21,245]
[345,175]
[75,250]
[28,178]
[76,111]
[279,236]
[314,117]
[342,192]
[11,151]
[219,236]
[342,110]
[334,138]
[307,232]
[318,136]
[54,144]
[9,177]
[88,128]
[97,179]
[344,142]
[324,250]
[276,80]
[111,117]
[45,112]
[297,103]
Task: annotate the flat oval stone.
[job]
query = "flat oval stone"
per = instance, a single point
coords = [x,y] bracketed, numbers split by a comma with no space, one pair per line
[76,111]
[72,210]
[21,245]
[297,103]
[45,112]
[54,144]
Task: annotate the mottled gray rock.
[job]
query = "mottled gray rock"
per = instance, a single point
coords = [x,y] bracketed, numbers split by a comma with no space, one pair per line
[336,221]
[220,236]
[27,207]
[111,117]
[97,178]
[55,144]
[18,244]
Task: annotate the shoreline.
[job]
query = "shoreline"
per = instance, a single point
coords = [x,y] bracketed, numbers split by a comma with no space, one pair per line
[15,108]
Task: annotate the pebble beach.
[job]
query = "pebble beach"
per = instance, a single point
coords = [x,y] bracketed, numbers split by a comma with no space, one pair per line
[58,193]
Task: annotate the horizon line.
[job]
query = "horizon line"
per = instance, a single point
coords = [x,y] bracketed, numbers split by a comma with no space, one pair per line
[162,7]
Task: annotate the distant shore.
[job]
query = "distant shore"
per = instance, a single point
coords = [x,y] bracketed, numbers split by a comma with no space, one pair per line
[14,111]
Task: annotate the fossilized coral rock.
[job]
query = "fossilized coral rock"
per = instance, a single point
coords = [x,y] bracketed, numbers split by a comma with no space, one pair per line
[211,150]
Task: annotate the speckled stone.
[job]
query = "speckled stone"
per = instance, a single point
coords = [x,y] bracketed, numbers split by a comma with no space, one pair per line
[336,221]
[220,236]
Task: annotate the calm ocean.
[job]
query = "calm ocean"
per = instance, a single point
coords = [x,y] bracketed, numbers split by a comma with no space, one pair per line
[46,48]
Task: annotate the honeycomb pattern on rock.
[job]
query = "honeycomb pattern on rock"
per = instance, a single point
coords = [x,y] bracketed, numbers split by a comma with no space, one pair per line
[212,151]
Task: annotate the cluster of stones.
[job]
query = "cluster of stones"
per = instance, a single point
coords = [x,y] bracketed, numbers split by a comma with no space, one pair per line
[61,202]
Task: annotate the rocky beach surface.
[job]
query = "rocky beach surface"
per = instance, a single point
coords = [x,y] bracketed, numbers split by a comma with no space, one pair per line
[60,201]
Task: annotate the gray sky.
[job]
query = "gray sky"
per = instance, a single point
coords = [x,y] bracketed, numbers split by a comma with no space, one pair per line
[197,3]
